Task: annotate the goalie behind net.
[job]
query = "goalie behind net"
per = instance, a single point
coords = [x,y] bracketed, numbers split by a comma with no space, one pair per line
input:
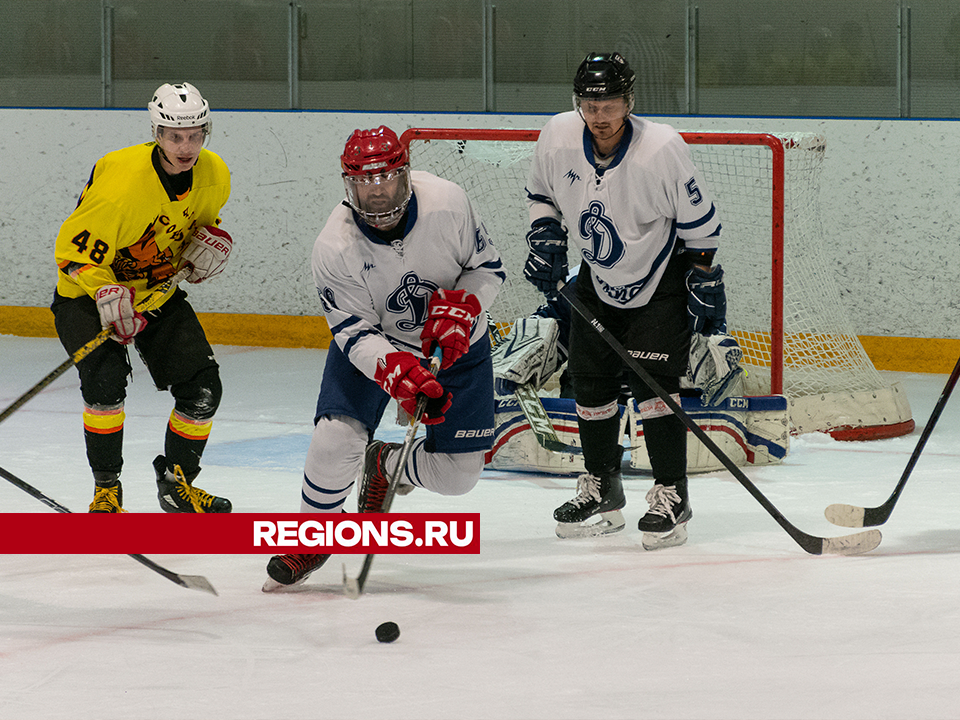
[829,381]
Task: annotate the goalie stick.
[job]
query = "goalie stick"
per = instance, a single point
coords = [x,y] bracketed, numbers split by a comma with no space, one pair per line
[353,587]
[151,302]
[192,582]
[846,545]
[532,408]
[854,516]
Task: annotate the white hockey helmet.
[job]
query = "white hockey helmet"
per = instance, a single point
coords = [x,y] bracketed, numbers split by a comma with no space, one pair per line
[180,106]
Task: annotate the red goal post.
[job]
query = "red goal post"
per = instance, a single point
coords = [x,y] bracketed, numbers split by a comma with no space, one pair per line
[767,191]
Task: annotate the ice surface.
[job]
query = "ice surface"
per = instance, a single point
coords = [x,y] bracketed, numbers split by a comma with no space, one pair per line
[738,623]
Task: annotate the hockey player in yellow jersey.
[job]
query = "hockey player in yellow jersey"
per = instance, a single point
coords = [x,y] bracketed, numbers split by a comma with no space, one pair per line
[147,212]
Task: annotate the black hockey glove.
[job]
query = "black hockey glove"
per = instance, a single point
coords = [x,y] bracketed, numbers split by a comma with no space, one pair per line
[706,300]
[546,264]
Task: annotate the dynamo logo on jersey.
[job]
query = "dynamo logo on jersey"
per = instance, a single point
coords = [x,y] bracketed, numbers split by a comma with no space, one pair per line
[482,239]
[411,299]
[326,299]
[605,248]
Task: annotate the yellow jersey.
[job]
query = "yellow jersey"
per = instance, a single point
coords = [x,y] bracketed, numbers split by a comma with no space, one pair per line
[129,227]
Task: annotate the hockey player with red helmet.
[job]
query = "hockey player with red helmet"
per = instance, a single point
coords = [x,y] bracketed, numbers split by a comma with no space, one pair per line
[403,266]
[147,212]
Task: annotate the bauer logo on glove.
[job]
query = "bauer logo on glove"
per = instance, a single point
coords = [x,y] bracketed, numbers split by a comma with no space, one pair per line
[207,253]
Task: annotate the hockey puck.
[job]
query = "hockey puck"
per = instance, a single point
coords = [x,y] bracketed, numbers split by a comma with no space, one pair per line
[388,632]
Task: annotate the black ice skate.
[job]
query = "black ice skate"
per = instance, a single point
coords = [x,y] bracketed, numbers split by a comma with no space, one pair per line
[290,570]
[665,524]
[107,495]
[601,496]
[373,486]
[178,495]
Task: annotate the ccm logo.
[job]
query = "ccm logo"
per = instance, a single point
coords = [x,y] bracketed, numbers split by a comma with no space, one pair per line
[739,403]
[486,432]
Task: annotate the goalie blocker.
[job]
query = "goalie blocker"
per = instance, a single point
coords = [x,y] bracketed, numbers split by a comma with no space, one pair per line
[750,430]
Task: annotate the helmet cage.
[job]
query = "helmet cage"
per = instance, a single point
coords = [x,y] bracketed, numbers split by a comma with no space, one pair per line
[179,106]
[354,185]
[376,157]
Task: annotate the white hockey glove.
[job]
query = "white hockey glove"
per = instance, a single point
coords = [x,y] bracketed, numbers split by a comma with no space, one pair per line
[715,367]
[207,253]
[527,355]
[116,308]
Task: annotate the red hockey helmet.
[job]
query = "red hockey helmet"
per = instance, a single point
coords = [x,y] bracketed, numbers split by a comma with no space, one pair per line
[376,175]
[368,152]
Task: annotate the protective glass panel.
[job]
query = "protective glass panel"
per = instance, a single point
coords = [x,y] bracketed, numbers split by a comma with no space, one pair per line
[234,51]
[819,58]
[50,54]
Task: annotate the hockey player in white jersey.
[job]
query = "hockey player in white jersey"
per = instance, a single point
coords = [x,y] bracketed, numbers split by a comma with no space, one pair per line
[403,266]
[624,194]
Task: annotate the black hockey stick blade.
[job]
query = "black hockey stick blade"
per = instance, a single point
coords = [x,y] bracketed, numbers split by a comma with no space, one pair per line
[193,582]
[855,516]
[353,587]
[847,545]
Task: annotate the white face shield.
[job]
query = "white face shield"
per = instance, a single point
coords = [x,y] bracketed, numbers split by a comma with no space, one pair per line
[188,138]
[606,109]
[379,199]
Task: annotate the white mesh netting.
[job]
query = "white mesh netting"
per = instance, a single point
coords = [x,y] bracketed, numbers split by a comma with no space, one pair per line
[821,352]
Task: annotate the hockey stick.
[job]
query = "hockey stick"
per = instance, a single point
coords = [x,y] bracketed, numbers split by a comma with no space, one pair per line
[352,587]
[151,302]
[192,582]
[846,545]
[854,516]
[532,407]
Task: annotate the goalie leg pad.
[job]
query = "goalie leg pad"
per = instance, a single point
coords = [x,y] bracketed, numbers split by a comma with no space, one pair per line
[527,355]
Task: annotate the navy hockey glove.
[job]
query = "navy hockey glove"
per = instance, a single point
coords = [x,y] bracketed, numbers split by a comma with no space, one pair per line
[546,264]
[706,300]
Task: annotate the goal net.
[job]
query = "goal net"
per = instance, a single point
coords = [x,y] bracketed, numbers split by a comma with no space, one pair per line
[782,305]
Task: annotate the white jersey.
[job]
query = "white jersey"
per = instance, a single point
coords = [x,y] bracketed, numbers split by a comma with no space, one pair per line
[375,293]
[627,219]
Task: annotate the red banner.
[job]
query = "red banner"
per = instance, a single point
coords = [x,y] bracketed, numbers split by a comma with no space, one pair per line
[239,533]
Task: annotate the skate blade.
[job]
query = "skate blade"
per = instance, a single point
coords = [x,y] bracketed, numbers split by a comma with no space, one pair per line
[609,522]
[660,541]
[272,585]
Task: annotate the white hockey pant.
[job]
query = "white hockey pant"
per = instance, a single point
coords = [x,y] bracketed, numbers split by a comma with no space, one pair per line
[335,462]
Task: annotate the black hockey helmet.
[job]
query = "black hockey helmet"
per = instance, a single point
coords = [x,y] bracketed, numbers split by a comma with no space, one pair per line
[603,75]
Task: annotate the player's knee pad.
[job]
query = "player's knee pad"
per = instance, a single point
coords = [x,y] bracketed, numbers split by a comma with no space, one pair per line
[333,463]
[103,379]
[335,455]
[199,398]
[596,391]
[641,391]
[447,473]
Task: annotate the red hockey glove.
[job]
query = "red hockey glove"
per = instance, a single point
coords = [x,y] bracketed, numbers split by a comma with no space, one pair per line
[207,253]
[449,322]
[403,377]
[116,308]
